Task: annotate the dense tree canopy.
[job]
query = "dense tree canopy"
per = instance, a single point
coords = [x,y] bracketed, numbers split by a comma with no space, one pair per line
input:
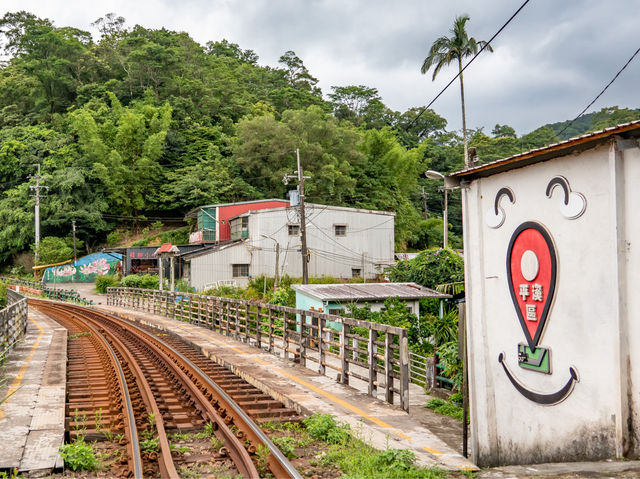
[149,123]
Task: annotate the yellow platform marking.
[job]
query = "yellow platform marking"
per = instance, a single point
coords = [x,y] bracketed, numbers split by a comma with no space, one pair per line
[435,452]
[15,385]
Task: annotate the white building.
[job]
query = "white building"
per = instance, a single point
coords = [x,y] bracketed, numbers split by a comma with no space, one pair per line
[552,265]
[342,242]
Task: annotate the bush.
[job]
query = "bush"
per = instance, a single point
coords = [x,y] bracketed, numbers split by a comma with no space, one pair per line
[114,238]
[147,281]
[430,268]
[324,427]
[79,455]
[131,281]
[104,282]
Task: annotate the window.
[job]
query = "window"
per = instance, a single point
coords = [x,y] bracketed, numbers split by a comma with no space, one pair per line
[294,230]
[245,222]
[336,311]
[340,230]
[356,272]
[240,270]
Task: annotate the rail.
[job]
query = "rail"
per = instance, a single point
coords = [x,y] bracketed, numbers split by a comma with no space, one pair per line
[13,322]
[346,349]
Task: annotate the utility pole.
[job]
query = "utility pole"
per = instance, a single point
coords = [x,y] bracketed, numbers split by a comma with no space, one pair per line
[303,219]
[364,276]
[424,203]
[275,281]
[75,256]
[37,189]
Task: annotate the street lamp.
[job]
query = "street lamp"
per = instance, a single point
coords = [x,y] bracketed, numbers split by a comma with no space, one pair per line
[275,281]
[435,175]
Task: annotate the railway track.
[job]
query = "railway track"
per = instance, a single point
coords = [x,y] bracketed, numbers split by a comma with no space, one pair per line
[142,383]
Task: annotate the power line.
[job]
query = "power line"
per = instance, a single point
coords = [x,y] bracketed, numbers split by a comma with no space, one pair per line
[465,67]
[600,94]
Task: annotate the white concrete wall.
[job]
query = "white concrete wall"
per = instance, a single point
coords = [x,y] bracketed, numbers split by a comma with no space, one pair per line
[590,325]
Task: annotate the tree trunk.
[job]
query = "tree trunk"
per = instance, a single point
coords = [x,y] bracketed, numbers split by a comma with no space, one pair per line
[467,163]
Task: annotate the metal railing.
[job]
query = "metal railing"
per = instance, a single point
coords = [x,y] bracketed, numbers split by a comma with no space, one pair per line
[421,370]
[344,348]
[13,322]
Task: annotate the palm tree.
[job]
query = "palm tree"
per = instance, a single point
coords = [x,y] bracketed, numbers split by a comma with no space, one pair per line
[444,51]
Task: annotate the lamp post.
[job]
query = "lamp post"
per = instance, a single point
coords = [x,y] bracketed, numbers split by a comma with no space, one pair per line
[275,281]
[435,175]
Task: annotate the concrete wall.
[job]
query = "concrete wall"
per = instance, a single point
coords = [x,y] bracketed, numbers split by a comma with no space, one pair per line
[591,324]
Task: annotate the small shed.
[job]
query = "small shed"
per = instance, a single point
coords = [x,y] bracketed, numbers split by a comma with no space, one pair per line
[552,268]
[334,298]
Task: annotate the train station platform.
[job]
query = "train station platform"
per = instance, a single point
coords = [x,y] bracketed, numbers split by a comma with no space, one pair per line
[33,399]
[306,391]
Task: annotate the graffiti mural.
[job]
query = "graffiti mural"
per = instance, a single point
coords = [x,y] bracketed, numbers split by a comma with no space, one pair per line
[86,270]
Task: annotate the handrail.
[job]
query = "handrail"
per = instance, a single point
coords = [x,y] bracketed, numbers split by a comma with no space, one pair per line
[345,348]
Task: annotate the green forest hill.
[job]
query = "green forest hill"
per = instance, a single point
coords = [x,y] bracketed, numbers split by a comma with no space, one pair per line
[143,125]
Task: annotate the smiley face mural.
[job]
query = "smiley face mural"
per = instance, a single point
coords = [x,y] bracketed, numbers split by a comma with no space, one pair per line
[532,273]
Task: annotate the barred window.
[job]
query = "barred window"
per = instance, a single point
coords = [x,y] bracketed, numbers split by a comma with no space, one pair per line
[340,230]
[294,230]
[240,270]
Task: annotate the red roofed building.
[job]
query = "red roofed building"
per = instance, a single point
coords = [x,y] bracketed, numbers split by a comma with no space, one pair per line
[213,220]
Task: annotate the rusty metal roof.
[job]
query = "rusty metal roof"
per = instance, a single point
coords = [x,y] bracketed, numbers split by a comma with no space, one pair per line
[563,148]
[367,291]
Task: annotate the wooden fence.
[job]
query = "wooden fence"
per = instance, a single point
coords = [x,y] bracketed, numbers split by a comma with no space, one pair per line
[345,348]
[39,288]
[13,322]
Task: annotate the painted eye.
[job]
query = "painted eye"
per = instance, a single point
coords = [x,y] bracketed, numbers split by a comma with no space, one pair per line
[574,204]
[494,217]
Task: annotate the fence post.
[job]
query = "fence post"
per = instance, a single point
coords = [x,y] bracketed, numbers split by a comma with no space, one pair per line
[344,341]
[303,338]
[247,315]
[322,323]
[270,330]
[404,370]
[285,335]
[259,326]
[388,368]
[372,363]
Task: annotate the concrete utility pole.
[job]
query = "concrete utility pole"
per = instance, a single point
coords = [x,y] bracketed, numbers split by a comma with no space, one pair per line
[275,281]
[303,221]
[75,256]
[37,189]
[424,204]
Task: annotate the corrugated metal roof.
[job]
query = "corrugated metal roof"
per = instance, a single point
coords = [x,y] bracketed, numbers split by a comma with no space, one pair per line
[312,206]
[579,143]
[196,209]
[367,291]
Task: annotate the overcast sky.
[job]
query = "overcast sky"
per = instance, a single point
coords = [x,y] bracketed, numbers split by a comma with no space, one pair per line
[547,65]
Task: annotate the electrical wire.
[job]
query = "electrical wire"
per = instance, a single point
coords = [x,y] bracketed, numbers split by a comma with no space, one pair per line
[601,93]
[469,63]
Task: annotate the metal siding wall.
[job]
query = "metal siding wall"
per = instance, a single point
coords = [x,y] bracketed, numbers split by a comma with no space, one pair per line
[216,266]
[372,233]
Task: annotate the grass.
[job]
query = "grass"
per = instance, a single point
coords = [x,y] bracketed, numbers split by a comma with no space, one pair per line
[451,408]
[357,459]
